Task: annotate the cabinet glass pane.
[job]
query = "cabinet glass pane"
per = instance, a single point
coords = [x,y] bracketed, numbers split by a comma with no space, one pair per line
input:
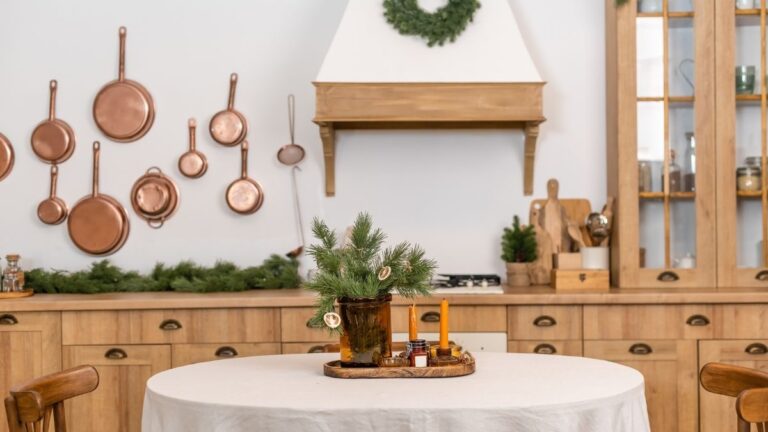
[680,5]
[681,54]
[650,57]
[652,234]
[682,213]
[650,154]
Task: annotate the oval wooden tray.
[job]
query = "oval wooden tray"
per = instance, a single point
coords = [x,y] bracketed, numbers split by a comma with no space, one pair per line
[17,294]
[466,367]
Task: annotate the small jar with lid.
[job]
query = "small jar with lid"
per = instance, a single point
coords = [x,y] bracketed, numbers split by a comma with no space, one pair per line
[13,276]
[749,177]
[419,353]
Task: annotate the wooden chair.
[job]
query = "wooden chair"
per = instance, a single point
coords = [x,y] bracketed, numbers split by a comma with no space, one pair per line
[748,386]
[30,406]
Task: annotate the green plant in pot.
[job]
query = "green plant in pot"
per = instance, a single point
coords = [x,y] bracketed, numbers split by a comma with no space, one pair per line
[518,250]
[360,276]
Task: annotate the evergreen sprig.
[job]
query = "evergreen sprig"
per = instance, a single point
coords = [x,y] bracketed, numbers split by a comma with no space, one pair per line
[445,24]
[518,244]
[359,268]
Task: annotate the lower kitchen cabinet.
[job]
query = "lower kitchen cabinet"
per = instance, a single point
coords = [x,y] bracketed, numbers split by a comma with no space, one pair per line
[671,377]
[303,348]
[184,354]
[116,404]
[569,348]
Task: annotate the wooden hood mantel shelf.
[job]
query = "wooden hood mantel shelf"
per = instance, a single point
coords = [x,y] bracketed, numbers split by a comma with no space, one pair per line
[494,105]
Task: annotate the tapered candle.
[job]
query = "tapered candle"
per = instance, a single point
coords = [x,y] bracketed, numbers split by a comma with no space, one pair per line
[413,330]
[444,324]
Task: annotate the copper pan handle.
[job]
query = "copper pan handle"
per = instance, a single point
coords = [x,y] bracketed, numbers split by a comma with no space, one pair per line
[121,72]
[232,89]
[192,127]
[52,101]
[54,178]
[96,152]
[244,160]
[292,116]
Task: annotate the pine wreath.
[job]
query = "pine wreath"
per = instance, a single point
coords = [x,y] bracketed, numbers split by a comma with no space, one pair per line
[445,24]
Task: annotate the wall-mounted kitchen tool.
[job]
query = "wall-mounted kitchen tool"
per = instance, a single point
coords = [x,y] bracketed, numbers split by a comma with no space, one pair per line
[6,157]
[229,127]
[291,154]
[244,195]
[124,110]
[52,210]
[297,207]
[98,223]
[193,164]
[155,197]
[53,140]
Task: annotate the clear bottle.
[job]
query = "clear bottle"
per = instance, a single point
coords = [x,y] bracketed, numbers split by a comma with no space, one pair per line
[690,161]
[13,276]
[675,176]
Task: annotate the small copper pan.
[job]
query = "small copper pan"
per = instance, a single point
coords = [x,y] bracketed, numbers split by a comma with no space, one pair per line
[193,164]
[98,224]
[52,210]
[244,195]
[124,110]
[6,157]
[53,140]
[155,197]
[229,127]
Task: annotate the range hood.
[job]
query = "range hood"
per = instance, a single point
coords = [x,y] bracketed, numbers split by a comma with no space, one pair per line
[374,78]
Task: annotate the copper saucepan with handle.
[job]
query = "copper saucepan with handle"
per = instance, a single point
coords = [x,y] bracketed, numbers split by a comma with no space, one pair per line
[6,157]
[53,140]
[98,224]
[229,127]
[52,210]
[124,110]
[155,197]
[244,195]
[193,164]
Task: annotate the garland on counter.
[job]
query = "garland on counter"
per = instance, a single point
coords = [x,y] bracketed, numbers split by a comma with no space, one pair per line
[445,24]
[104,277]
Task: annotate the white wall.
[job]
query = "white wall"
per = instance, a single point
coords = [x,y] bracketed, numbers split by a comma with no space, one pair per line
[452,192]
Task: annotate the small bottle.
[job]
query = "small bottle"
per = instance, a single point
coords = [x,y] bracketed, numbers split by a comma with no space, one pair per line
[13,276]
[419,353]
[644,177]
[675,179]
[690,158]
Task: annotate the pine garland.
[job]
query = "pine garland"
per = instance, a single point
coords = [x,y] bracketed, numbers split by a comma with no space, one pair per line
[518,244]
[445,24]
[104,277]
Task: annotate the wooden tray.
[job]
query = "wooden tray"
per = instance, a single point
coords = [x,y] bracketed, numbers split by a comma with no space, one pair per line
[17,294]
[466,367]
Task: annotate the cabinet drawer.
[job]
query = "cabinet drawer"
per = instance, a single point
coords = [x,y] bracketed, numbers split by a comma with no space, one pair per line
[468,319]
[570,348]
[544,322]
[743,321]
[184,354]
[295,327]
[303,348]
[170,326]
[649,322]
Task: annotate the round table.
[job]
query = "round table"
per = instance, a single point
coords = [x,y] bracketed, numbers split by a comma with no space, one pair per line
[520,392]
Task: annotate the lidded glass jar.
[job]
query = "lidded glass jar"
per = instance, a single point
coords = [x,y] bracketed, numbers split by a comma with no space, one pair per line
[749,177]
[13,276]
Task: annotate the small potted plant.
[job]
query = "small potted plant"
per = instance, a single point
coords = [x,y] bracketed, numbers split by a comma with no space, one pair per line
[360,277]
[518,247]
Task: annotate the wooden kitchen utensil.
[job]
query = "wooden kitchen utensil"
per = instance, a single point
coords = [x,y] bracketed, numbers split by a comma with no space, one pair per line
[291,154]
[244,195]
[6,157]
[52,210]
[155,197]
[124,110]
[229,127]
[53,140]
[193,164]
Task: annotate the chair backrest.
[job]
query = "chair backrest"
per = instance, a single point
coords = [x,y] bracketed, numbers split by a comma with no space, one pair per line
[752,407]
[31,405]
[749,386]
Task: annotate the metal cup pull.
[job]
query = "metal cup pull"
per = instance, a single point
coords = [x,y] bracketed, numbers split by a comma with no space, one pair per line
[762,276]
[170,325]
[226,352]
[668,276]
[316,349]
[115,354]
[697,321]
[8,319]
[431,317]
[756,349]
[640,349]
[545,348]
[544,321]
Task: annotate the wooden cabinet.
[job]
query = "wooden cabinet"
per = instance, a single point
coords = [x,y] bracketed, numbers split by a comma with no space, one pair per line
[303,347]
[184,354]
[295,327]
[544,322]
[561,347]
[465,319]
[649,322]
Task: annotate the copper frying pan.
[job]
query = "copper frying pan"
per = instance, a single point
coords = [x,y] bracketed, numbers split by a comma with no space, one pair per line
[229,127]
[98,224]
[6,157]
[155,197]
[193,164]
[53,140]
[244,195]
[124,110]
[52,210]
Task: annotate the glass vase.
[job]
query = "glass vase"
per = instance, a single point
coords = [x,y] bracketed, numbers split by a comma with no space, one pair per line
[367,330]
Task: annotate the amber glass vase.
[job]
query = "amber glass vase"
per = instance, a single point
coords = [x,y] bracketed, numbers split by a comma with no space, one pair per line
[367,330]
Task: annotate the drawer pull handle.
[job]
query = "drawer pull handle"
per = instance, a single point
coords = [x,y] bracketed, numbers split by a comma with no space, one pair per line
[544,321]
[545,348]
[668,276]
[226,352]
[8,319]
[312,325]
[640,349]
[316,349]
[431,317]
[697,321]
[116,354]
[756,349]
[762,276]
[170,325]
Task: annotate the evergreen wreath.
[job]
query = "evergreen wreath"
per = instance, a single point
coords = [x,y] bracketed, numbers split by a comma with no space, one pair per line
[445,24]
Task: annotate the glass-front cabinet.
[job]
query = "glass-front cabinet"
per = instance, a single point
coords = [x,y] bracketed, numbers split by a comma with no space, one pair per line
[661,142]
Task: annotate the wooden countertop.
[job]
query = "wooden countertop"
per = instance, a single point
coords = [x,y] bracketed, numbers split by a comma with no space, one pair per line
[297,297]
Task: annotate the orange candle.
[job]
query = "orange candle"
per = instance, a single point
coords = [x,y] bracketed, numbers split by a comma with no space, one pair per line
[444,324]
[413,330]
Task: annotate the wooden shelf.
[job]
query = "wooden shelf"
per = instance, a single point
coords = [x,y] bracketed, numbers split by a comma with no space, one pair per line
[672,15]
[747,12]
[747,98]
[749,194]
[675,196]
[672,99]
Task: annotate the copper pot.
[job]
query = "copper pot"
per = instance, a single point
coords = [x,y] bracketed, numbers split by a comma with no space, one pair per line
[229,127]
[155,197]
[52,210]
[53,140]
[244,195]
[6,157]
[193,164]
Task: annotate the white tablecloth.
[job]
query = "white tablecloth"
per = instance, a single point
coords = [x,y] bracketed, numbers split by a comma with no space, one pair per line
[508,392]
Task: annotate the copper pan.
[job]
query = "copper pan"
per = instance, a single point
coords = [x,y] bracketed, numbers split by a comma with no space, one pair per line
[6,157]
[244,195]
[155,197]
[124,110]
[98,224]
[193,164]
[53,140]
[52,210]
[229,127]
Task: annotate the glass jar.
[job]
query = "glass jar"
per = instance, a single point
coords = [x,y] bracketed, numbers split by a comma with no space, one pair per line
[644,176]
[749,179]
[367,330]
[13,276]
[419,353]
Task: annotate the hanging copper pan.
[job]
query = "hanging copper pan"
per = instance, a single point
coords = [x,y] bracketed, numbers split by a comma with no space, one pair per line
[229,127]
[52,210]
[123,110]
[155,197]
[98,224]
[193,164]
[6,157]
[53,140]
[244,195]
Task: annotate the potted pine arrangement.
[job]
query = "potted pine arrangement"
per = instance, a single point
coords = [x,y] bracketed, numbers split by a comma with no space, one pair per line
[518,250]
[360,276]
